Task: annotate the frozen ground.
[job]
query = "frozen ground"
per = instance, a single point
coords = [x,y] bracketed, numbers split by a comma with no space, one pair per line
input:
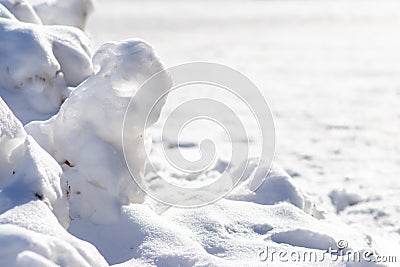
[330,71]
[328,68]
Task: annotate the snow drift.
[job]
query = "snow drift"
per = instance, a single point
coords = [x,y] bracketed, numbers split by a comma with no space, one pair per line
[33,206]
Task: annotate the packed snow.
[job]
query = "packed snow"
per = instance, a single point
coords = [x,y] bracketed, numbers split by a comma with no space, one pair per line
[67,197]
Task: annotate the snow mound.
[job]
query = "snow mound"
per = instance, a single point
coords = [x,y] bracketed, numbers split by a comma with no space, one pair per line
[37,64]
[5,13]
[34,237]
[60,12]
[32,205]
[85,137]
[277,187]
[227,233]
[27,171]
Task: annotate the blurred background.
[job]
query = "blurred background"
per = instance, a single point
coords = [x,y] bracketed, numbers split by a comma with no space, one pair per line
[329,69]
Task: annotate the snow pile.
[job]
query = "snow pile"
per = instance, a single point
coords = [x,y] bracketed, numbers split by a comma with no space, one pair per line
[86,135]
[50,12]
[71,13]
[82,182]
[30,233]
[27,171]
[226,233]
[37,65]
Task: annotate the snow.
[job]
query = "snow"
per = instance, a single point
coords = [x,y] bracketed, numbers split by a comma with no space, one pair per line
[94,165]
[31,232]
[50,12]
[22,10]
[37,65]
[34,209]
[67,197]
[58,12]
[27,170]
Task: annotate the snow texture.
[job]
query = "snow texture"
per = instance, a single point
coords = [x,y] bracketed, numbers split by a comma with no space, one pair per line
[60,12]
[21,10]
[37,65]
[85,137]
[63,177]
[33,207]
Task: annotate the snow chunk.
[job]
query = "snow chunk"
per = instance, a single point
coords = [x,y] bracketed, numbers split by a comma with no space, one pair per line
[86,135]
[37,63]
[27,171]
[72,12]
[33,237]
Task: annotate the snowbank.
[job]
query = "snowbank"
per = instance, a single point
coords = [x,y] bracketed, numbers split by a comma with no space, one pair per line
[50,12]
[37,65]
[33,207]
[27,171]
[85,177]
[31,235]
[227,233]
[85,137]
[278,187]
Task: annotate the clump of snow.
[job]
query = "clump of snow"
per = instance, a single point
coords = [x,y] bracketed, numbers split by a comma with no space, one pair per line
[86,135]
[60,12]
[22,10]
[37,65]
[31,236]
